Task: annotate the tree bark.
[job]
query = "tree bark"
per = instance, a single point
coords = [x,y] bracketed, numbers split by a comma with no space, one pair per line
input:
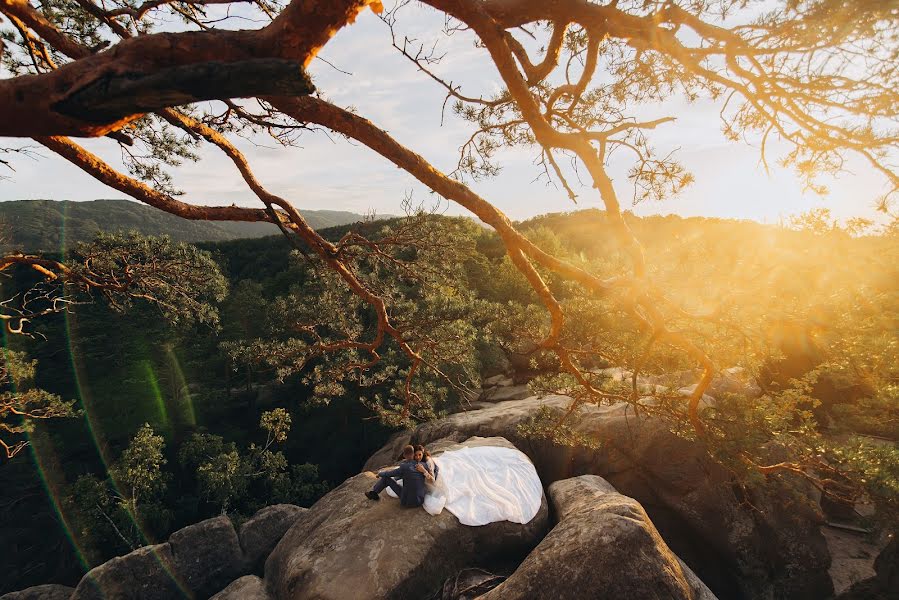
[149,72]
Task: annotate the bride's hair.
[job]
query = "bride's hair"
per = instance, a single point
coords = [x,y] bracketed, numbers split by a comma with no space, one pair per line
[424,451]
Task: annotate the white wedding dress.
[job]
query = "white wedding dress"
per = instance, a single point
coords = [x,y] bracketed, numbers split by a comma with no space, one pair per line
[485,484]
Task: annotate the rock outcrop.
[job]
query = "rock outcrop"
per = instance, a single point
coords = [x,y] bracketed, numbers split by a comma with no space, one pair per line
[742,543]
[887,568]
[196,562]
[347,546]
[145,574]
[390,453]
[41,592]
[603,546]
[498,380]
[207,556]
[248,587]
[261,533]
[503,393]
[885,583]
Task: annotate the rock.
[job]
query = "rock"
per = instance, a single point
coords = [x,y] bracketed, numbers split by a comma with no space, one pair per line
[510,392]
[347,546]
[520,358]
[705,402]
[262,532]
[501,379]
[887,567]
[248,587]
[885,583]
[604,546]
[207,555]
[469,584]
[389,454]
[735,380]
[197,561]
[617,374]
[651,388]
[853,555]
[495,363]
[675,379]
[41,592]
[145,574]
[837,502]
[265,394]
[759,543]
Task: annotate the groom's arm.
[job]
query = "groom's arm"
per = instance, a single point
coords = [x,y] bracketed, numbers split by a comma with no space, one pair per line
[391,473]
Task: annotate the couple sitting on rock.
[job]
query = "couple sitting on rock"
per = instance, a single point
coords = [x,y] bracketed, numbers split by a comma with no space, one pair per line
[416,468]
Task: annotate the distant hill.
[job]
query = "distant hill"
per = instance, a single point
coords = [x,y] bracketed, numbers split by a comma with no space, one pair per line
[49,225]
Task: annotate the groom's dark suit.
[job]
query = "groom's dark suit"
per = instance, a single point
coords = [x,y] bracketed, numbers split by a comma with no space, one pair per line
[412,492]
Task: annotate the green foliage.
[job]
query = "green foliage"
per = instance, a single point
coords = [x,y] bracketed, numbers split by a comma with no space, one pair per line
[21,404]
[243,482]
[554,426]
[876,464]
[200,448]
[138,501]
[276,424]
[222,479]
[314,331]
[126,510]
[138,472]
[101,521]
[156,145]
[181,280]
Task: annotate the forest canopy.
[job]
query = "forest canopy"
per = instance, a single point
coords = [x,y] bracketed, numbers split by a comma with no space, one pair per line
[816,337]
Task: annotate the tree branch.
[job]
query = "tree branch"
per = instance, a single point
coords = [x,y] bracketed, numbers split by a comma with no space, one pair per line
[138,71]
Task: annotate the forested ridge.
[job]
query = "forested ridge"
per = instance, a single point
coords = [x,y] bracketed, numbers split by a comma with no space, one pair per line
[827,305]
[50,225]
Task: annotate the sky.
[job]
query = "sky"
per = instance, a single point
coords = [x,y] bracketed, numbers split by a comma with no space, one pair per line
[360,69]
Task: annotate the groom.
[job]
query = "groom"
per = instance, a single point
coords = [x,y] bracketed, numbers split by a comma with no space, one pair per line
[412,491]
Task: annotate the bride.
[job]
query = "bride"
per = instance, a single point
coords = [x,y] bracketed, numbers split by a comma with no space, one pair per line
[482,484]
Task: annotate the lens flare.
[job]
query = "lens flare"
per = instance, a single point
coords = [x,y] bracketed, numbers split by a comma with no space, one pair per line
[153,384]
[52,477]
[183,401]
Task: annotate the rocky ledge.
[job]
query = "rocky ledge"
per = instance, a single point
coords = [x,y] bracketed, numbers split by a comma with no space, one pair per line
[644,514]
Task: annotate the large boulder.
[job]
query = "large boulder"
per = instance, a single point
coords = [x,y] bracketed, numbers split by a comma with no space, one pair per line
[501,379]
[604,546]
[503,393]
[885,583]
[262,532]
[196,562]
[744,543]
[145,574]
[41,592]
[735,380]
[248,587]
[347,546]
[887,568]
[207,555]
[390,453]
